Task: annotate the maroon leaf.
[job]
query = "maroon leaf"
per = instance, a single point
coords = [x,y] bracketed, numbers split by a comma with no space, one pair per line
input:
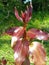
[28,13]
[29,10]
[38,34]
[11,30]
[15,31]
[26,16]
[31,34]
[23,15]
[20,51]
[37,53]
[17,15]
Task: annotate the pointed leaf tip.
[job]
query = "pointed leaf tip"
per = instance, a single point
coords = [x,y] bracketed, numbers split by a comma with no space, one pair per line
[17,15]
[15,31]
[38,34]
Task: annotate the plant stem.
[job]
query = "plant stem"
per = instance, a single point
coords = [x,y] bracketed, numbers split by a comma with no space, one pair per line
[24,36]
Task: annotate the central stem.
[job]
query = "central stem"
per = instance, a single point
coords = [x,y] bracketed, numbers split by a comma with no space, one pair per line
[24,36]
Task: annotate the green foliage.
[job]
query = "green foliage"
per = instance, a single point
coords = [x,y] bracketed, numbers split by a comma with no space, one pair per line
[39,20]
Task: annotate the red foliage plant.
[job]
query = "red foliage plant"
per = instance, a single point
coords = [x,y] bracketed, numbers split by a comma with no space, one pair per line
[25,50]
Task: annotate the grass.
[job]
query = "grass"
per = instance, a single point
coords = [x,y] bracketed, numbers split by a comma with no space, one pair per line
[5,49]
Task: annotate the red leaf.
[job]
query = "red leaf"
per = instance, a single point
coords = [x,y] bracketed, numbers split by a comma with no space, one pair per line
[29,10]
[28,13]
[37,53]
[17,15]
[31,35]
[23,15]
[15,31]
[26,16]
[38,34]
[11,30]
[20,51]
